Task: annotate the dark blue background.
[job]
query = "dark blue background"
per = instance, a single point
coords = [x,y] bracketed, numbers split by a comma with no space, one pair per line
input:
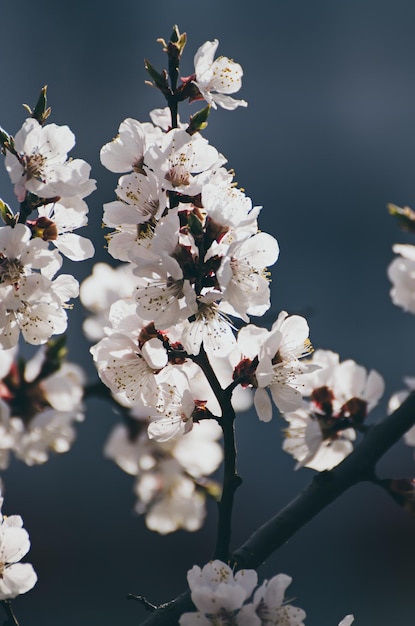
[326,142]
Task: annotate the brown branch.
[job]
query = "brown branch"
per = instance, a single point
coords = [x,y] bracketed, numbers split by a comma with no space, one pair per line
[322,490]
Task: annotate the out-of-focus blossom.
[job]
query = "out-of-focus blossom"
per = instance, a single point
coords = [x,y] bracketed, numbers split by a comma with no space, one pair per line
[401,273]
[172,477]
[15,577]
[340,396]
[395,402]
[269,607]
[38,410]
[218,594]
[100,290]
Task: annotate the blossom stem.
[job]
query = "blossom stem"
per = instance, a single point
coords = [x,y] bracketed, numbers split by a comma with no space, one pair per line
[25,211]
[322,491]
[231,480]
[173,106]
[12,619]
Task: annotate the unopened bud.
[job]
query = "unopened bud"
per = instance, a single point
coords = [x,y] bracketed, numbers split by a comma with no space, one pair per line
[7,214]
[405,216]
[41,111]
[198,121]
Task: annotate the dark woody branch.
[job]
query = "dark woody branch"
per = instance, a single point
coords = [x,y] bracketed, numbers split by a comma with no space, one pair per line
[323,489]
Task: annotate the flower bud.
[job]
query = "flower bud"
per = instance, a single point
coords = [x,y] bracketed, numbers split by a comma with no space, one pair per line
[41,111]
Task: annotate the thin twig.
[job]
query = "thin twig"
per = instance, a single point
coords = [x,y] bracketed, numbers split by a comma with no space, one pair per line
[12,619]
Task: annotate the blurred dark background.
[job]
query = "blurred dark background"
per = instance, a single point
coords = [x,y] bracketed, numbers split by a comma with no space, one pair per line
[328,139]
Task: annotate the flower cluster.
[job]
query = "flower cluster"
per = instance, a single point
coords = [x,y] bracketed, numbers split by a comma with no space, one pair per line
[339,397]
[192,240]
[222,597]
[50,188]
[39,402]
[15,578]
[194,269]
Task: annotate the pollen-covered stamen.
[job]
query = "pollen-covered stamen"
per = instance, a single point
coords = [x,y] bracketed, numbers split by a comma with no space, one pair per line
[33,166]
[178,174]
[11,270]
[146,229]
[159,295]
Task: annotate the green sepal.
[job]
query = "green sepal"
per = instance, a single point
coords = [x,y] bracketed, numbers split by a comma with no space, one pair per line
[178,40]
[195,226]
[159,79]
[7,214]
[41,111]
[198,121]
[7,141]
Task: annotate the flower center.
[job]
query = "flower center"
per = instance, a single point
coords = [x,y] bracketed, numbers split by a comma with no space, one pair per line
[33,166]
[178,175]
[10,270]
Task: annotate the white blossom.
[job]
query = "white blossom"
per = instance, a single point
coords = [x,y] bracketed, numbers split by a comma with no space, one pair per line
[140,200]
[34,309]
[41,165]
[125,153]
[269,608]
[401,273]
[57,221]
[395,402]
[166,472]
[278,352]
[100,290]
[180,161]
[15,577]
[44,423]
[341,394]
[217,593]
[243,274]
[217,78]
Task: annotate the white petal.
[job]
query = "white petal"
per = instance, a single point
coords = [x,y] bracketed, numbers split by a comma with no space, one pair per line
[263,405]
[75,247]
